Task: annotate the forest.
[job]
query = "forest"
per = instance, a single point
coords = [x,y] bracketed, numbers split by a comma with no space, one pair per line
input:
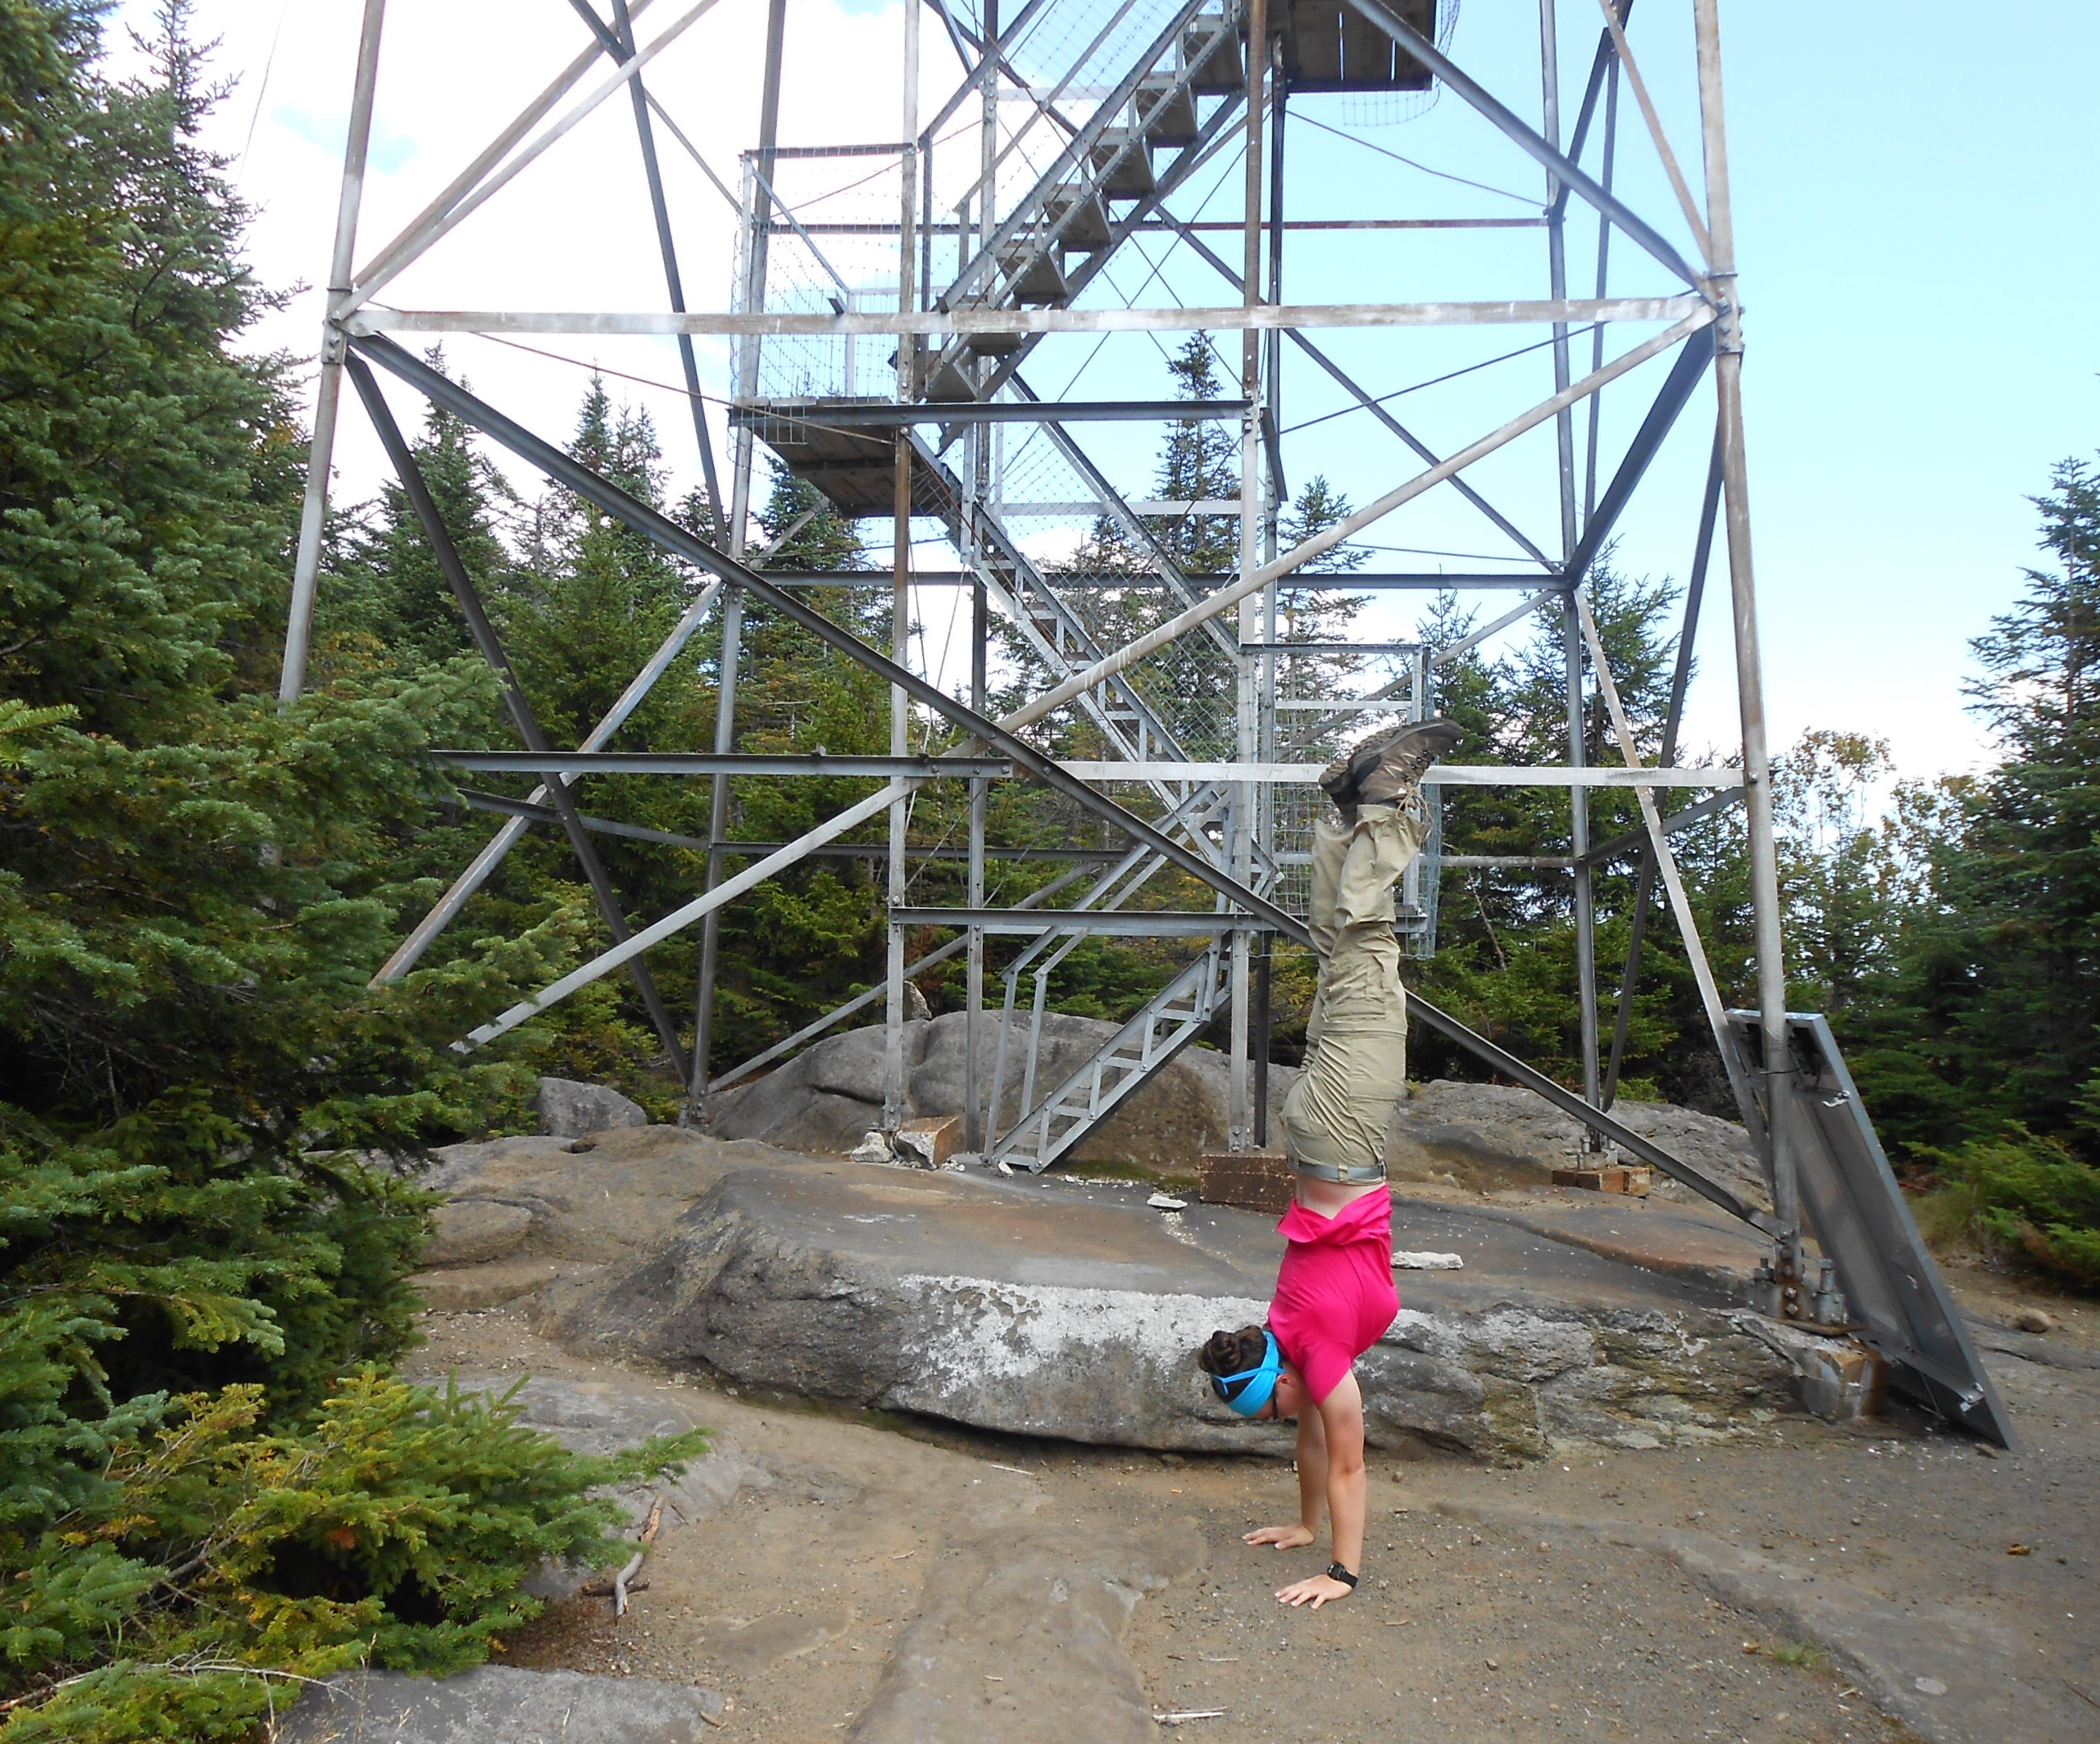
[212,1480]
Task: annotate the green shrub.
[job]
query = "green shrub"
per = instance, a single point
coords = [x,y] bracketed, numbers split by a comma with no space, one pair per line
[212,1559]
[2028,1193]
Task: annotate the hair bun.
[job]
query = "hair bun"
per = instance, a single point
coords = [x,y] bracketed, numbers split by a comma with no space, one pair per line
[1232,1353]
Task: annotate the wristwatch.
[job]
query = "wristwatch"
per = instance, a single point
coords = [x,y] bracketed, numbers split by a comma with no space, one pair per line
[1335,1571]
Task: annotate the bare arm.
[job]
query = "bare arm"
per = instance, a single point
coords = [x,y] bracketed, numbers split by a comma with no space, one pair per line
[1311,1488]
[1342,1415]
[1341,1418]
[1312,1470]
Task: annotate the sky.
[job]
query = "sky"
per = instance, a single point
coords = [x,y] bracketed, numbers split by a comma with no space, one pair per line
[1912,221]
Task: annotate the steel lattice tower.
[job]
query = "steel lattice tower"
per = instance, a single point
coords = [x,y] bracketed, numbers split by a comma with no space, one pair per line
[886,324]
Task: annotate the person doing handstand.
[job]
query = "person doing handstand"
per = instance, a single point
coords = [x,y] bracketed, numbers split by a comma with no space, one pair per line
[1334,1296]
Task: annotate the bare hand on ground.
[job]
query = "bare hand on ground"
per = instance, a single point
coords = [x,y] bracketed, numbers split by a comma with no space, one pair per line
[1316,1591]
[1283,1537]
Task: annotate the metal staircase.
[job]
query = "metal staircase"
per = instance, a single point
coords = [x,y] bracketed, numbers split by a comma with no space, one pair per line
[1084,203]
[1171,1019]
[1055,239]
[1170,109]
[1045,1130]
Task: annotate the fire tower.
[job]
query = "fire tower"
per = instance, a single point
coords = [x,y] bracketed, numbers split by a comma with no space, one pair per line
[907,317]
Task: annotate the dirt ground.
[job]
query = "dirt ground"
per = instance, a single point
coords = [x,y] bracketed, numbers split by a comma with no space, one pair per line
[1805,1582]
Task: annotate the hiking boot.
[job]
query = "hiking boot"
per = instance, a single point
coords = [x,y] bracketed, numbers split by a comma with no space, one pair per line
[1344,778]
[1397,780]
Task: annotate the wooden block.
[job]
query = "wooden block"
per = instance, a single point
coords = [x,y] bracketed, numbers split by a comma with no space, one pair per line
[933,1141]
[1253,1180]
[1611,1177]
[1842,1380]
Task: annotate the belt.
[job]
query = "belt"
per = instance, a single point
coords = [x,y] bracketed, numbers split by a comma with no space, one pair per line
[1350,1177]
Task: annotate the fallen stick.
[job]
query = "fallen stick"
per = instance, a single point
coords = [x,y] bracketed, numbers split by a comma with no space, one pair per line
[620,1587]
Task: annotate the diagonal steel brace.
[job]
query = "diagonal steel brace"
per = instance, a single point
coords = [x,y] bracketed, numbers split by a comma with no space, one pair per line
[514,696]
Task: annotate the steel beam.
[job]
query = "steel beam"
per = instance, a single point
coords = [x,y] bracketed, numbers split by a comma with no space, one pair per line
[1680,902]
[1425,581]
[1680,680]
[722,763]
[1002,736]
[845,415]
[1455,775]
[479,870]
[695,1112]
[1749,666]
[1444,656]
[667,245]
[1684,376]
[313,512]
[991,321]
[1599,63]
[1112,922]
[1344,530]
[494,153]
[531,813]
[896,1087]
[417,242]
[1661,140]
[1633,839]
[1348,384]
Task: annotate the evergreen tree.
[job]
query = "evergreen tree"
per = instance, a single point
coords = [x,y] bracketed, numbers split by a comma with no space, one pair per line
[194,889]
[1313,611]
[2026,881]
[382,600]
[1199,462]
[1839,882]
[1985,1017]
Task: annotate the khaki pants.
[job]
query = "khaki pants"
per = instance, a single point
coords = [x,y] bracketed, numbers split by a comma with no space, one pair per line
[1356,1060]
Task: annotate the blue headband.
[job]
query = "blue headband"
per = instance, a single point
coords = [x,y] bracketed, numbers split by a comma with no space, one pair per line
[1251,1388]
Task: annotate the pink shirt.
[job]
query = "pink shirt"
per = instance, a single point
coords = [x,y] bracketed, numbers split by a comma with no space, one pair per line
[1335,1295]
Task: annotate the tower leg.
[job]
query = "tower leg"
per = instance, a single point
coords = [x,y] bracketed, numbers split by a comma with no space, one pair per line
[305,566]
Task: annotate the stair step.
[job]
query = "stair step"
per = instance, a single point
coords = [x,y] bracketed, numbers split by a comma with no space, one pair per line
[1033,274]
[948,384]
[1224,71]
[1169,110]
[1092,1093]
[1089,228]
[993,344]
[1132,178]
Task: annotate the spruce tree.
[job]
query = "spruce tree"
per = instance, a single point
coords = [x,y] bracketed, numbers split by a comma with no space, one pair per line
[195,888]
[383,584]
[1986,1018]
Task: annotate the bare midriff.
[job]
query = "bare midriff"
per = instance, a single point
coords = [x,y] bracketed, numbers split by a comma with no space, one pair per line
[1327,1198]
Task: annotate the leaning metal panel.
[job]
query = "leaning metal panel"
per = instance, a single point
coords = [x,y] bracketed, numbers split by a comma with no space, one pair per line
[1855,1208]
